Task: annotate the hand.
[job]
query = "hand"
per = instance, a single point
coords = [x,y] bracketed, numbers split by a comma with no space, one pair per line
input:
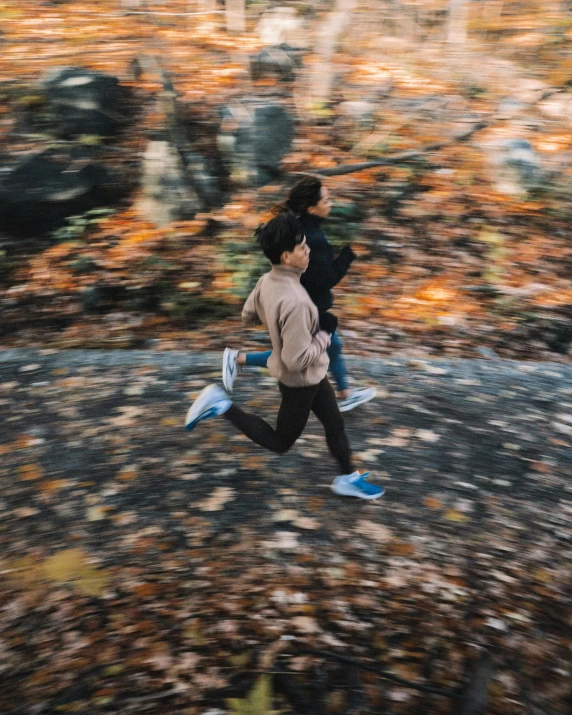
[328,322]
[348,253]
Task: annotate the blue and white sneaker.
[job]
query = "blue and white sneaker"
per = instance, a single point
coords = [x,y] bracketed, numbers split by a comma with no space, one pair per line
[229,368]
[212,401]
[358,396]
[354,485]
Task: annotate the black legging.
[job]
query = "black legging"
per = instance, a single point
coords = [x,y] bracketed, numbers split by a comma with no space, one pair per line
[297,402]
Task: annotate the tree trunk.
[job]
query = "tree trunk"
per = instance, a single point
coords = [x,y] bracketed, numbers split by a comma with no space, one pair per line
[206,5]
[235,16]
[328,35]
[458,20]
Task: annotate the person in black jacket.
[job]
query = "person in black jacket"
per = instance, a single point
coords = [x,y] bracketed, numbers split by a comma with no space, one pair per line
[310,200]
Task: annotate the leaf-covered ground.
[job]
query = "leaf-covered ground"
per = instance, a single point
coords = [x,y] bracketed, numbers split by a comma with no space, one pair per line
[145,569]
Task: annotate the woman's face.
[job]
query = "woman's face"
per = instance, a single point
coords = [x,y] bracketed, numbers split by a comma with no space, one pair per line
[324,206]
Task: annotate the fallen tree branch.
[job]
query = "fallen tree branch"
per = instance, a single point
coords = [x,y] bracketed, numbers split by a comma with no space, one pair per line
[379,671]
[397,158]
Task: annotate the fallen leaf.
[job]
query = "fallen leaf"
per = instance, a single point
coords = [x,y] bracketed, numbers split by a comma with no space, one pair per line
[128,472]
[401,548]
[374,531]
[427,435]
[25,511]
[96,513]
[257,702]
[432,503]
[454,515]
[72,566]
[53,485]
[285,515]
[217,500]
[307,522]
[29,472]
[305,624]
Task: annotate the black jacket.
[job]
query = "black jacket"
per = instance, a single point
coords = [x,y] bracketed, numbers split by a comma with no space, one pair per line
[324,271]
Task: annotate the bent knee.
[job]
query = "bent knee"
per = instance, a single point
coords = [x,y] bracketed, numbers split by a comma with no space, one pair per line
[283,447]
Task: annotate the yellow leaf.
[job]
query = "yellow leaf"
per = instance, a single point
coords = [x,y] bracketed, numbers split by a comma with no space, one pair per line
[454,515]
[71,566]
[257,702]
[170,421]
[240,660]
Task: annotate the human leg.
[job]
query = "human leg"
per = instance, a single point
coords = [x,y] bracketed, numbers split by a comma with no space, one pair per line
[350,483]
[231,359]
[256,359]
[349,397]
[296,404]
[292,418]
[325,407]
[337,363]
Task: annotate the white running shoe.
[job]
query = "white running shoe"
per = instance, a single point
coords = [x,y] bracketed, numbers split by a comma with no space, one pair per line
[229,368]
[354,485]
[357,396]
[212,401]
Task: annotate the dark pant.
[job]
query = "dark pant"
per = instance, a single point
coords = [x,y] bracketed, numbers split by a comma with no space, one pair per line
[297,402]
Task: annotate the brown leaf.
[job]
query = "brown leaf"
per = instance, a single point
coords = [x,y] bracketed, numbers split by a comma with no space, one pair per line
[29,472]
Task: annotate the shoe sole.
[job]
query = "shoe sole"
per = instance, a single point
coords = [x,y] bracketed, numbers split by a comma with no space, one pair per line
[196,412]
[347,493]
[207,414]
[347,408]
[227,377]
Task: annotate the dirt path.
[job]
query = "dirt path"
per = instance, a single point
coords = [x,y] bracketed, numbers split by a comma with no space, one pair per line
[147,569]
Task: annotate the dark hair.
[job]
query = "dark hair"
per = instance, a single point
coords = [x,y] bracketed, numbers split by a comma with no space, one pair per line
[281,233]
[307,192]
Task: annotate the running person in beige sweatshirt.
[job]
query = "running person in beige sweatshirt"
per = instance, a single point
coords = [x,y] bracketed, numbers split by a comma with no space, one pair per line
[299,359]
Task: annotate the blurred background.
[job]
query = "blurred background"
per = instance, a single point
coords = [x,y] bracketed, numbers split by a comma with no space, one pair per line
[141,142]
[146,570]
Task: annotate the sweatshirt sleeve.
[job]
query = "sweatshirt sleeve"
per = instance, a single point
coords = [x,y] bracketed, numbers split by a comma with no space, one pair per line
[299,347]
[323,273]
[249,313]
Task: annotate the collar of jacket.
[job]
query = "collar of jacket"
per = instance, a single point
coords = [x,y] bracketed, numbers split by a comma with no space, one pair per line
[289,270]
[311,220]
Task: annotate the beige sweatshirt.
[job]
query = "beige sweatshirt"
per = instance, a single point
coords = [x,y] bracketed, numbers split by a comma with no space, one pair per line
[281,303]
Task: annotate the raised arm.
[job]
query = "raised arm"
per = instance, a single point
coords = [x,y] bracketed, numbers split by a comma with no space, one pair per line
[323,274]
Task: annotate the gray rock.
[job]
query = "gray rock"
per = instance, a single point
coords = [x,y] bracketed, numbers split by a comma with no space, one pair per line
[83,102]
[518,167]
[38,192]
[166,193]
[253,138]
[276,61]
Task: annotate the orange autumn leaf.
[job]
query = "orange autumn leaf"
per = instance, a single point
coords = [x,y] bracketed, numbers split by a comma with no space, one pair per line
[127,473]
[53,485]
[254,462]
[432,503]
[29,472]
[401,549]
[24,441]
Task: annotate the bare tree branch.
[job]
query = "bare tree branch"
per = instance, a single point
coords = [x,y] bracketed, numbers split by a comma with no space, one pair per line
[398,158]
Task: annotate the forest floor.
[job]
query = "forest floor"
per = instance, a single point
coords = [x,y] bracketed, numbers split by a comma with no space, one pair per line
[146,569]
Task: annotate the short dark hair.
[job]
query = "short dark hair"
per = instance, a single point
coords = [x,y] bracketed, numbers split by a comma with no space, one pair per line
[305,193]
[281,233]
